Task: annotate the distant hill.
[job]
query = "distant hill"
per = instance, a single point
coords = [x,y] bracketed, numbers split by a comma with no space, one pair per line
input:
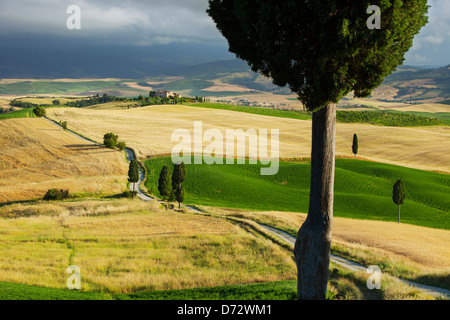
[415,84]
[106,61]
[196,63]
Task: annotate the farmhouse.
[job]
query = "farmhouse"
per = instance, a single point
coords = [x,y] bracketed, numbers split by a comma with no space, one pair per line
[166,94]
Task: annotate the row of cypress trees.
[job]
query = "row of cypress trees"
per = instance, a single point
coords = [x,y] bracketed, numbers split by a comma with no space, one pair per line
[170,184]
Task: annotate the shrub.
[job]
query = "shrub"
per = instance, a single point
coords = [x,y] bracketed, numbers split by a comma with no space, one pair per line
[64,125]
[121,145]
[110,140]
[129,194]
[39,112]
[56,194]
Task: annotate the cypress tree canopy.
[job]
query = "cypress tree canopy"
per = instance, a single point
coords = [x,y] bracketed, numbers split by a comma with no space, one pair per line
[355,144]
[133,171]
[398,195]
[321,49]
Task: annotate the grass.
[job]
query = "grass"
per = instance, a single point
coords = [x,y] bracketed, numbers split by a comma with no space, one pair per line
[131,250]
[411,252]
[127,251]
[259,111]
[48,101]
[142,249]
[363,190]
[279,290]
[39,156]
[391,119]
[388,119]
[443,117]
[22,113]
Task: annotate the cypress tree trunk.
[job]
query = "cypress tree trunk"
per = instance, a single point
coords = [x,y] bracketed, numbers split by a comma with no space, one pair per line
[312,248]
[398,213]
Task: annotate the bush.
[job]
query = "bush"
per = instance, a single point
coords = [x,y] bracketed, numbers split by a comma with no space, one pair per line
[39,112]
[64,125]
[121,145]
[110,140]
[56,194]
[129,194]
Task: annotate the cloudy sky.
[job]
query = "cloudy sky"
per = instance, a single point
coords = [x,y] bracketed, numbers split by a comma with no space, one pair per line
[147,22]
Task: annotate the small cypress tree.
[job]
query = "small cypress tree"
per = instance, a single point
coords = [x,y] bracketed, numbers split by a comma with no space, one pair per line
[164,182]
[178,177]
[398,195]
[355,144]
[133,173]
[179,195]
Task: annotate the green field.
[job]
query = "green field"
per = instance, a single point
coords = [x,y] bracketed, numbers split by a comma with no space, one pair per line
[376,117]
[389,119]
[363,190]
[255,110]
[279,290]
[22,113]
[444,117]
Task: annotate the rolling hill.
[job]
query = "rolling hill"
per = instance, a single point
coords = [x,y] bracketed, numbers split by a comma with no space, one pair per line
[363,190]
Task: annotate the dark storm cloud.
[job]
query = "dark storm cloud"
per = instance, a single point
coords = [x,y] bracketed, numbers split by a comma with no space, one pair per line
[130,22]
[148,22]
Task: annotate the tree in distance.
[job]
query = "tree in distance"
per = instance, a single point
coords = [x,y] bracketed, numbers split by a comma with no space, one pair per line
[39,112]
[398,195]
[179,195]
[110,140]
[165,182]
[178,177]
[322,50]
[64,125]
[56,102]
[133,173]
[56,194]
[121,145]
[355,144]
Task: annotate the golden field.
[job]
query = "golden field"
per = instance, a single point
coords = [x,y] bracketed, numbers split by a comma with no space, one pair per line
[420,248]
[127,246]
[124,246]
[36,155]
[148,130]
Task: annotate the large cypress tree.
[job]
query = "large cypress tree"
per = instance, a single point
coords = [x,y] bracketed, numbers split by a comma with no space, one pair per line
[321,50]
[398,195]
[164,182]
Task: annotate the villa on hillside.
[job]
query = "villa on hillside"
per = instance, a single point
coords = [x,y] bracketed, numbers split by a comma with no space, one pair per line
[166,94]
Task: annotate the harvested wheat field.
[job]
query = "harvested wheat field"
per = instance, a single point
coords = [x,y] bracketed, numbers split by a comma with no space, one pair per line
[144,248]
[36,155]
[148,130]
[424,249]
